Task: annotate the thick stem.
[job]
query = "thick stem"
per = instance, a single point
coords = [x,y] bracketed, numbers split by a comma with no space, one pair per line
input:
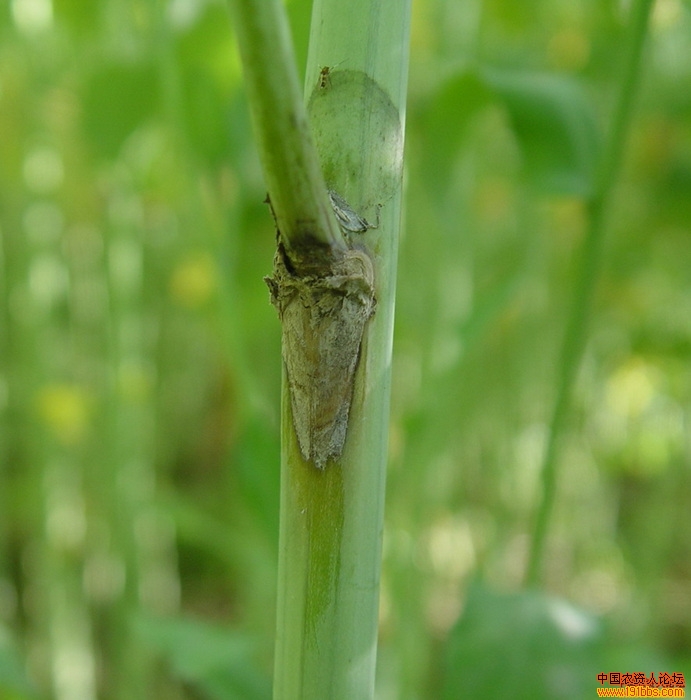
[332,517]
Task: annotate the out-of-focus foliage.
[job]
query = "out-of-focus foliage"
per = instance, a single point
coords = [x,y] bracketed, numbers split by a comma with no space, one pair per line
[217,660]
[140,360]
[554,650]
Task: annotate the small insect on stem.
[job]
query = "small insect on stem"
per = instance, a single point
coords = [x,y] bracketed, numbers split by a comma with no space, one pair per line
[324,77]
[324,80]
[348,219]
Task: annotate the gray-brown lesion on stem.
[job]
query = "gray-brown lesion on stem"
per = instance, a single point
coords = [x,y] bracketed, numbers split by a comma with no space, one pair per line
[324,297]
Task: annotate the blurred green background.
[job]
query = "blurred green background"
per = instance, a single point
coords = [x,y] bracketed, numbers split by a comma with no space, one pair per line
[140,357]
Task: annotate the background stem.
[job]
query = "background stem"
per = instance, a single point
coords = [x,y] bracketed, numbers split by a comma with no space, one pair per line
[589,266]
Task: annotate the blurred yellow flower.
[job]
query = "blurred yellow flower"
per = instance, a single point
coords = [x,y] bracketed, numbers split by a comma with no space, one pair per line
[194,280]
[632,388]
[64,410]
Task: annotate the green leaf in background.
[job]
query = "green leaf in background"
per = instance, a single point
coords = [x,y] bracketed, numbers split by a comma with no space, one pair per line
[217,661]
[13,682]
[445,119]
[80,15]
[207,119]
[555,127]
[119,97]
[521,645]
[204,56]
[550,116]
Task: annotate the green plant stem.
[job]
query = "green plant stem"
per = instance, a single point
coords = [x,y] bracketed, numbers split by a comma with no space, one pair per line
[332,519]
[290,162]
[589,266]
